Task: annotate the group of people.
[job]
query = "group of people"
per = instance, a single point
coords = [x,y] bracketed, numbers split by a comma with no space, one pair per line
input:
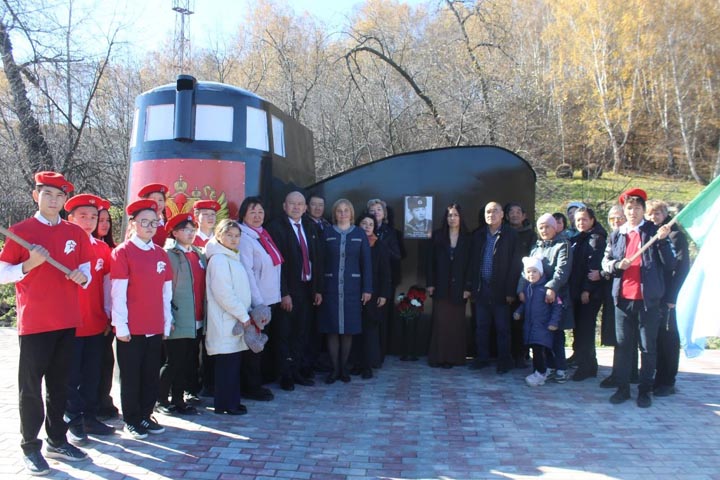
[190,299]
[527,289]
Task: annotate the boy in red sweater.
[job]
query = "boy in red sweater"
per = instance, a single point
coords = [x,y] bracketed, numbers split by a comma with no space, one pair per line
[48,312]
[82,403]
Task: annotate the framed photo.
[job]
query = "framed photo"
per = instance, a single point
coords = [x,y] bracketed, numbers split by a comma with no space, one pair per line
[418,216]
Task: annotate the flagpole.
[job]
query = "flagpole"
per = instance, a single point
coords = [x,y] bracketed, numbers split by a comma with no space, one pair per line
[654,239]
[24,243]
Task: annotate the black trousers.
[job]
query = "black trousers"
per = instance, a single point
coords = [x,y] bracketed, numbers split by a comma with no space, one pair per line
[227,385]
[290,331]
[84,378]
[45,355]
[173,373]
[584,333]
[139,363]
[668,348]
[250,375]
[105,401]
[518,349]
[193,374]
[633,320]
[540,354]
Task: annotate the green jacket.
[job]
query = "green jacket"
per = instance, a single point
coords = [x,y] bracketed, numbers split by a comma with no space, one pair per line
[183,299]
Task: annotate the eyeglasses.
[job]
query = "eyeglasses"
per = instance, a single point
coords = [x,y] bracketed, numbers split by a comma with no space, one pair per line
[149,223]
[188,230]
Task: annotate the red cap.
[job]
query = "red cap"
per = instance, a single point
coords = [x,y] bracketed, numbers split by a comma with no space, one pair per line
[139,205]
[104,204]
[206,204]
[177,220]
[152,188]
[633,192]
[85,200]
[53,179]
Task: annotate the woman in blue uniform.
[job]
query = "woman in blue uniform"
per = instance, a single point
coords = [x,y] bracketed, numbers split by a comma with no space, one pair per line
[347,285]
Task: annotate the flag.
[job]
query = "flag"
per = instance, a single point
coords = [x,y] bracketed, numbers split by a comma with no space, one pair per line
[698,217]
[698,302]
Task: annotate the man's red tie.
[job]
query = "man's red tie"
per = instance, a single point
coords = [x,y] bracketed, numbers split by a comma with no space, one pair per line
[305,255]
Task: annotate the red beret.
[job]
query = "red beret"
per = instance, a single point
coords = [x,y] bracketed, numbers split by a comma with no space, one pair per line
[104,204]
[85,200]
[206,204]
[53,179]
[177,220]
[633,192]
[139,205]
[152,188]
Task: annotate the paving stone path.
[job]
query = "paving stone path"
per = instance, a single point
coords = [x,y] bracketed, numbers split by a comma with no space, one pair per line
[413,422]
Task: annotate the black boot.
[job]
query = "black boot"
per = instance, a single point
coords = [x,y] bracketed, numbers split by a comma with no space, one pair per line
[644,400]
[620,395]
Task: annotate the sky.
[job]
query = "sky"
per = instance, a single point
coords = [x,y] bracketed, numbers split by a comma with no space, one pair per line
[151,22]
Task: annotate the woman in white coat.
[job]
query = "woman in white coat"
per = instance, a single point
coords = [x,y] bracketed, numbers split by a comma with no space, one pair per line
[262,261]
[228,302]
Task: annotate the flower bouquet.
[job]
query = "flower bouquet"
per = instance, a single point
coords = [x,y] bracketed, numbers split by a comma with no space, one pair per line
[409,306]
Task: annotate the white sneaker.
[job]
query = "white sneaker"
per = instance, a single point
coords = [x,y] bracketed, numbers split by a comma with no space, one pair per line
[561,376]
[535,379]
[550,374]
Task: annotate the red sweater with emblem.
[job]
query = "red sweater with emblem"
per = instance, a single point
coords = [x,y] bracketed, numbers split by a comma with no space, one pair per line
[92,300]
[46,300]
[146,272]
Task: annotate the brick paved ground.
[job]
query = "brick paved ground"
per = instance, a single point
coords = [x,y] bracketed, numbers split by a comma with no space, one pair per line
[414,422]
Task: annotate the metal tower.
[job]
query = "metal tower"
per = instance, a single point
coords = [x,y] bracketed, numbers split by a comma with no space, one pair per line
[183,8]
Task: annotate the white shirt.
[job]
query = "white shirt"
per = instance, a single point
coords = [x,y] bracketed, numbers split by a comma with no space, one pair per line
[626,228]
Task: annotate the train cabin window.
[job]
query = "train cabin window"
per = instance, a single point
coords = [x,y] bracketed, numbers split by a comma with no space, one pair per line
[257,132]
[135,126]
[278,130]
[159,122]
[214,122]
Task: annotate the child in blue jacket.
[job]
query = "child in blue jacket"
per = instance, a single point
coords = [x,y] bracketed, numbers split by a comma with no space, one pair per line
[541,319]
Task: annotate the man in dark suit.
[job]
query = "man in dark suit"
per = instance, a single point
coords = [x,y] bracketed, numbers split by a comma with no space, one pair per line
[300,282]
[494,271]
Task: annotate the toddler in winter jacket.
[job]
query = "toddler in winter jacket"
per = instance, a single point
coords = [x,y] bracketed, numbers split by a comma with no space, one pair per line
[542,319]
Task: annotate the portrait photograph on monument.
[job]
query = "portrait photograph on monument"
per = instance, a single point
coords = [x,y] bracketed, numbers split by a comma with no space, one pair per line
[418,216]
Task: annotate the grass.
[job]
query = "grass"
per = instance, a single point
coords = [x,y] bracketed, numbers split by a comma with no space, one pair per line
[553,194]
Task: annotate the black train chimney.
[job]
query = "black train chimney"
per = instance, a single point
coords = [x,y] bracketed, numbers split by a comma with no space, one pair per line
[184,111]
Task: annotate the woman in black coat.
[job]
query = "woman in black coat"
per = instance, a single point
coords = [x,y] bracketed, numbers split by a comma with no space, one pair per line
[374,311]
[446,279]
[391,238]
[586,289]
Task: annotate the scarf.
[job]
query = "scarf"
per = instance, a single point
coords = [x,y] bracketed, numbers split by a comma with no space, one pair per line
[267,243]
[372,239]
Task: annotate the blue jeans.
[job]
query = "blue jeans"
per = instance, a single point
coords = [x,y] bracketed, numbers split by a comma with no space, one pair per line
[499,316]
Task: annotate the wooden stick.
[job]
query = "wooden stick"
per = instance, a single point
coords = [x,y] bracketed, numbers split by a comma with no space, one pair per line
[29,246]
[652,240]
